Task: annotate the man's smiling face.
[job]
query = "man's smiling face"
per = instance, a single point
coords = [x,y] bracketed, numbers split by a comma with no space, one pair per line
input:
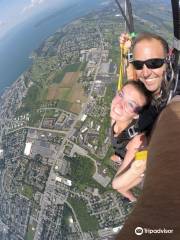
[150,49]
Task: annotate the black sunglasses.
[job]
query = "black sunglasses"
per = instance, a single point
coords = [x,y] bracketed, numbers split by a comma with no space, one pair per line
[150,63]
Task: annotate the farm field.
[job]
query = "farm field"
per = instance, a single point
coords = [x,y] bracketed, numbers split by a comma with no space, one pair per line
[69,90]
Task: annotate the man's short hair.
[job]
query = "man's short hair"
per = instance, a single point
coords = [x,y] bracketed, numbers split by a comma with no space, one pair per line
[150,36]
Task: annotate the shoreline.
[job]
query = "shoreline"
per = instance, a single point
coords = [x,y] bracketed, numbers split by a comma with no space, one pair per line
[51,26]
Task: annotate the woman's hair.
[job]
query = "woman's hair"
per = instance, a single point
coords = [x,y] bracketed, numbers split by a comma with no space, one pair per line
[149,37]
[140,87]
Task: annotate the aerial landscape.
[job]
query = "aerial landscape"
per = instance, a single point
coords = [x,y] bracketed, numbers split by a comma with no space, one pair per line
[55,167]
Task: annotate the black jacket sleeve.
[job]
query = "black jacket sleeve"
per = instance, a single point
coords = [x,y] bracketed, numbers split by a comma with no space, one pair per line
[147,119]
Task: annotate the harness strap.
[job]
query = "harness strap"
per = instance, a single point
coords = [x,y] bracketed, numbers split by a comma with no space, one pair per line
[131,22]
[144,123]
[141,155]
[124,16]
[176,42]
[123,51]
[120,80]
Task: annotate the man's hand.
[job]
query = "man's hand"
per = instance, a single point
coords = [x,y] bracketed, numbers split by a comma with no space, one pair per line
[125,40]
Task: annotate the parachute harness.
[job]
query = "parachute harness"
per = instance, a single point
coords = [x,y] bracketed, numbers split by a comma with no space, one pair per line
[130,25]
[176,44]
[124,51]
[141,155]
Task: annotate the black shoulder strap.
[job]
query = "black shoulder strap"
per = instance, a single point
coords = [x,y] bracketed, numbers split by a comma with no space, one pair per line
[128,19]
[176,22]
[176,42]
[131,131]
[145,122]
[130,14]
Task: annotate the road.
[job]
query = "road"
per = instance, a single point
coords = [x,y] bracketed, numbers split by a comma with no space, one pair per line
[68,136]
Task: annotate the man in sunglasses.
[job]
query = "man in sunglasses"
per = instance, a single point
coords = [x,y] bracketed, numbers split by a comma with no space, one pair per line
[150,57]
[150,52]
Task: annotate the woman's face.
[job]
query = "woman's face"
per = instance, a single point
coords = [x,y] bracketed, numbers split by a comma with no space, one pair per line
[125,104]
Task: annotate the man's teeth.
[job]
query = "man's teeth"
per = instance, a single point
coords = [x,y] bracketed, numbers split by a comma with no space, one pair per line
[149,80]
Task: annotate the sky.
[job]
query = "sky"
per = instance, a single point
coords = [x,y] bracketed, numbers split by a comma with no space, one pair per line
[13,12]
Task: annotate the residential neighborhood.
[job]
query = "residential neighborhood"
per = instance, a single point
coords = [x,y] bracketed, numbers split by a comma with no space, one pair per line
[55,146]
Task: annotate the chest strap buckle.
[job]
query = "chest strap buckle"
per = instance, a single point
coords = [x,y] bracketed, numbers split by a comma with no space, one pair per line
[132,132]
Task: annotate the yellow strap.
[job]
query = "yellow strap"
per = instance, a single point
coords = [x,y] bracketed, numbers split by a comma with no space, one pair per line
[120,80]
[141,155]
[123,51]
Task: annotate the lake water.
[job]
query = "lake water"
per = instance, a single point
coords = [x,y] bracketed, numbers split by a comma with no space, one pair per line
[16,47]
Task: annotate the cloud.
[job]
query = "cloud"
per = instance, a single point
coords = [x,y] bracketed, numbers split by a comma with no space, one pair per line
[3,27]
[2,24]
[33,4]
[105,2]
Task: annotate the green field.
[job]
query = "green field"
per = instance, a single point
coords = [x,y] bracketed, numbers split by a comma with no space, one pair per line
[35,118]
[82,175]
[64,104]
[30,233]
[28,191]
[38,92]
[65,93]
[87,222]
[69,68]
[52,113]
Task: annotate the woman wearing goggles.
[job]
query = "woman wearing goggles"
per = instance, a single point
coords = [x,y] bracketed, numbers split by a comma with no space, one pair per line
[128,103]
